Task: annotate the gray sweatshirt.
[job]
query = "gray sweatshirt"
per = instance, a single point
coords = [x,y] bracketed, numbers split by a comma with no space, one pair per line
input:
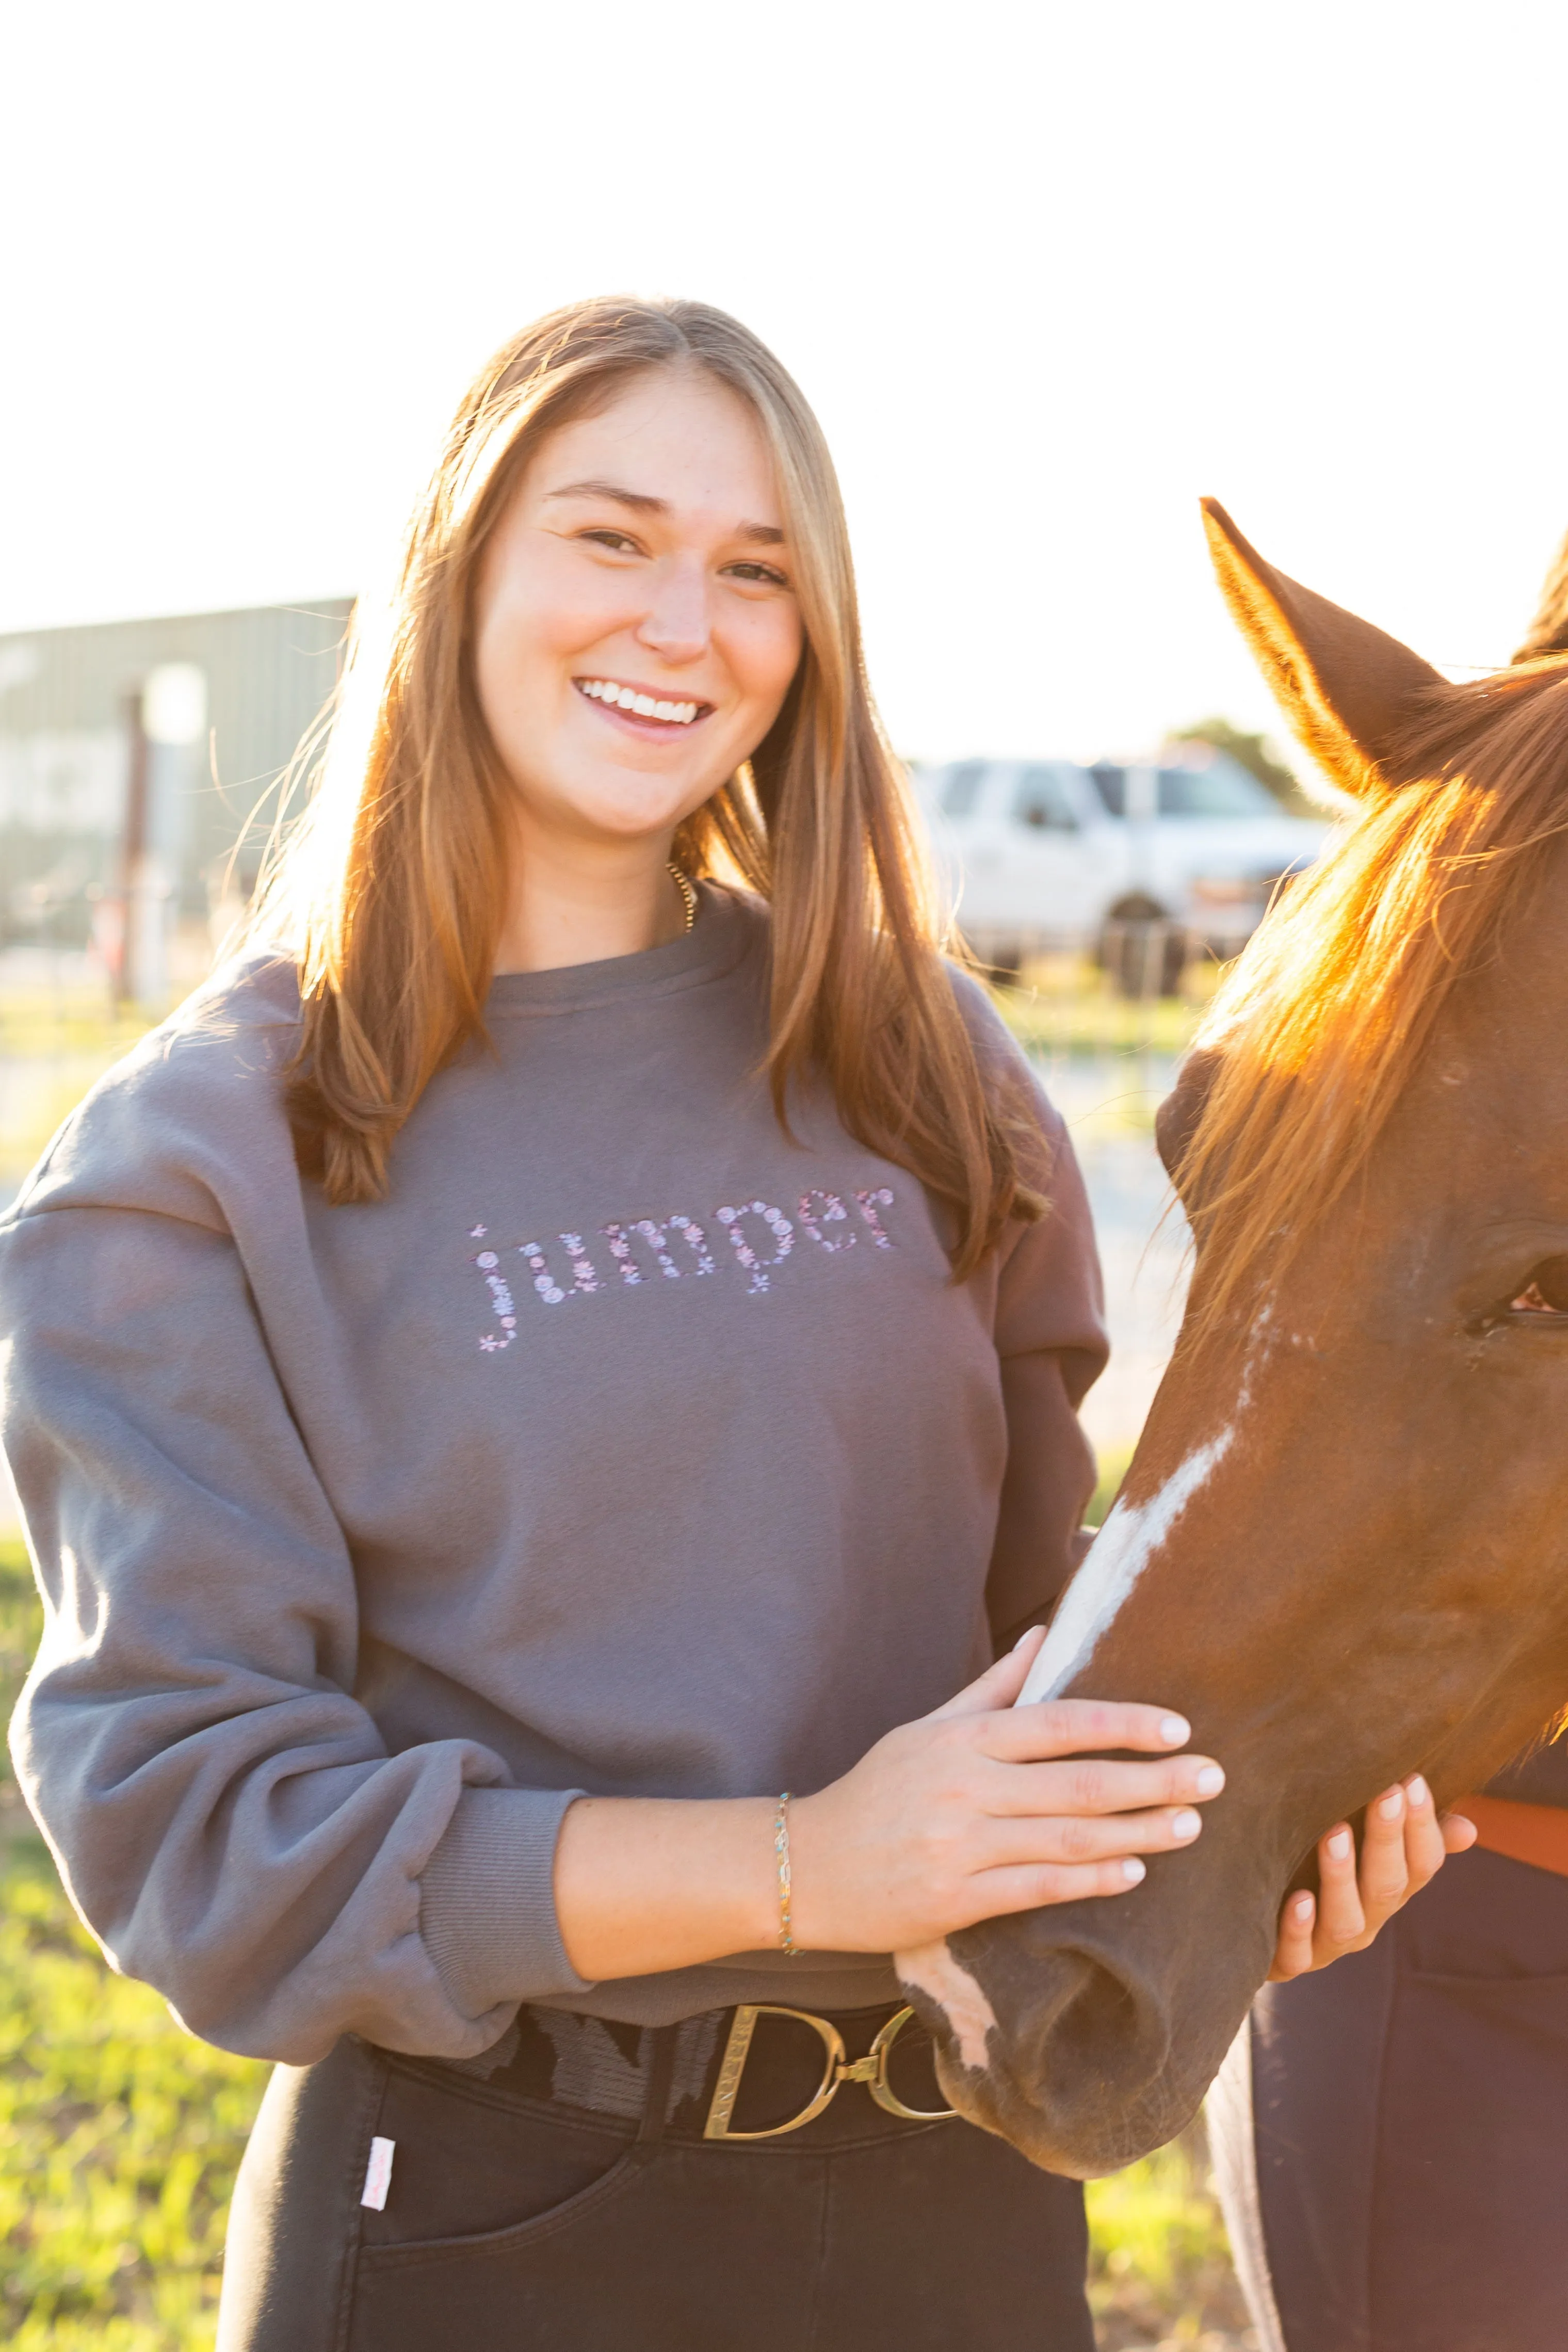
[628,1447]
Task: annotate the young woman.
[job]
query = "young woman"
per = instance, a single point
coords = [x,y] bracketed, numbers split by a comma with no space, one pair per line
[573,1337]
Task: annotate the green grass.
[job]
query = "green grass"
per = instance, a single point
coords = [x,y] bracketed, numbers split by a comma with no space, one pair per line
[118,2133]
[1160,2271]
[1113,1461]
[1063,1004]
[119,2140]
[34,1023]
[51,1051]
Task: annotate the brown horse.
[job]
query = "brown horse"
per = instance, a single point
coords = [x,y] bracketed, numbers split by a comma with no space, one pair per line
[1342,1547]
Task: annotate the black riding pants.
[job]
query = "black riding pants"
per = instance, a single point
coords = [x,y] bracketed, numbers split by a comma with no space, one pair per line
[514,2220]
[1401,2183]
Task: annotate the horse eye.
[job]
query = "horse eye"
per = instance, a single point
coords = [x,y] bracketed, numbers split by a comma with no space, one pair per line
[1546,1292]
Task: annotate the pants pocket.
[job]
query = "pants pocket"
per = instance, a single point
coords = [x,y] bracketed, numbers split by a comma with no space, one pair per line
[470,2173]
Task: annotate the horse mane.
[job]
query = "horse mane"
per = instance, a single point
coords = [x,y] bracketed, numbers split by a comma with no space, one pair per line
[1319,1026]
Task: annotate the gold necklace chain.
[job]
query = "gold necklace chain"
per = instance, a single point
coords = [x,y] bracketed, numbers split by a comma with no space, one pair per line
[683,884]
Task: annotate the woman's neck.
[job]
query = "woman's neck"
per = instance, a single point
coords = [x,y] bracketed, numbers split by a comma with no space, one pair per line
[581,903]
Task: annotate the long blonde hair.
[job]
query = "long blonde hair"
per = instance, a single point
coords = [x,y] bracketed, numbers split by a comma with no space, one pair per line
[389,894]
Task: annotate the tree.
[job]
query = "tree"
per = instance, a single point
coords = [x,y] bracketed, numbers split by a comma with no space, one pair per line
[1251,752]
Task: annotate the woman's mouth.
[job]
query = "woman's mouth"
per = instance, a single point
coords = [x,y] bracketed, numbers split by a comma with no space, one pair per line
[652,713]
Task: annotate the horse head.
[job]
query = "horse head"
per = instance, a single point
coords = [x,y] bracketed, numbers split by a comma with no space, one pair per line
[1341,1547]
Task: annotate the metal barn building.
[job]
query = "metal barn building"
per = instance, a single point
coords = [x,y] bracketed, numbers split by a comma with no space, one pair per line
[139,755]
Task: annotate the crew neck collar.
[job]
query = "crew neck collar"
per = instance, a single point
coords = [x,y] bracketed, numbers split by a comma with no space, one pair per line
[716,941]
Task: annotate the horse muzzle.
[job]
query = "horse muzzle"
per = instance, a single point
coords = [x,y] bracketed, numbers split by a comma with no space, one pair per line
[1110,2019]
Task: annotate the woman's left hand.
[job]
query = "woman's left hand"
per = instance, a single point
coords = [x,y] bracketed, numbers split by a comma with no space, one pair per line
[1404,1845]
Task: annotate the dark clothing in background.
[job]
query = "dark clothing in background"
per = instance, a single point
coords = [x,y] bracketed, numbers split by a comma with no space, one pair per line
[1539,1777]
[1409,2128]
[512,2223]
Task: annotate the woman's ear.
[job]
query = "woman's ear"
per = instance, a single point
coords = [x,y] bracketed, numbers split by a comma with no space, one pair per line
[1343,686]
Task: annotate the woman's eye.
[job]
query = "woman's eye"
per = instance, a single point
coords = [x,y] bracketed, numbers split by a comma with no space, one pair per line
[616,540]
[763,573]
[1546,1292]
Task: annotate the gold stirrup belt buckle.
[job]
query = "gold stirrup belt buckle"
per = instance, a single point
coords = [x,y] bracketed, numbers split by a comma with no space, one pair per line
[870,2070]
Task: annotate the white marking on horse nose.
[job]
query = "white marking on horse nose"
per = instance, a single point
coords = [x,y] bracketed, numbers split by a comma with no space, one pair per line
[933,1971]
[1118,1556]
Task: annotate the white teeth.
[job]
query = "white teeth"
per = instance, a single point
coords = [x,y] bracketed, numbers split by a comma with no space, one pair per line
[626,698]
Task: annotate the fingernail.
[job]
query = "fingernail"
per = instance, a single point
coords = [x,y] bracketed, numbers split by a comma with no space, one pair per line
[1340,1845]
[1389,1807]
[1303,1906]
[1418,1791]
[1132,1869]
[1210,1780]
[1024,1637]
[1187,1823]
[1175,1731]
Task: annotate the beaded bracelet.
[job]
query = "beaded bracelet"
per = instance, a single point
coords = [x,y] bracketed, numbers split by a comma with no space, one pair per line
[781,1848]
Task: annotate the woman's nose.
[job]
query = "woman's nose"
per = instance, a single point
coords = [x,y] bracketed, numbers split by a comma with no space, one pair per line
[676,625]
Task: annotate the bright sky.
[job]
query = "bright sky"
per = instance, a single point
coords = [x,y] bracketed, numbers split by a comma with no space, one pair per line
[1048,271]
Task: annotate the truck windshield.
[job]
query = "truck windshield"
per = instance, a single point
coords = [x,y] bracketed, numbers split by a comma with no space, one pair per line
[962,789]
[1044,800]
[1222,789]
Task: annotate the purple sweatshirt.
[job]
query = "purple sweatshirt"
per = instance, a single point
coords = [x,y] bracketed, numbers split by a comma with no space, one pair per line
[628,1447]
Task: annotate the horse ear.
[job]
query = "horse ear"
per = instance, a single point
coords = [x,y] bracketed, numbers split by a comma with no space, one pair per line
[1549,630]
[1342,684]
[1180,1115]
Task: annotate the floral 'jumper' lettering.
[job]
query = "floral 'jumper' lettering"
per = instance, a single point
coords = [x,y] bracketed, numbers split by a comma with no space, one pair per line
[820,1215]
[691,1233]
[831,1213]
[620,1249]
[501,1304]
[869,1204]
[783,1233]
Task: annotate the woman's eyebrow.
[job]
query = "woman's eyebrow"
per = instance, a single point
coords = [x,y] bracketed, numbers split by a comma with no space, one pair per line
[643,503]
[757,535]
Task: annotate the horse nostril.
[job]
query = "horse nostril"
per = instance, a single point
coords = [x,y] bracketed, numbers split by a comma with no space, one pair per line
[1078,2076]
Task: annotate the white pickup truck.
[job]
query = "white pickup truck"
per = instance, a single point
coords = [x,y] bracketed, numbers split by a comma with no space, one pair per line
[1124,860]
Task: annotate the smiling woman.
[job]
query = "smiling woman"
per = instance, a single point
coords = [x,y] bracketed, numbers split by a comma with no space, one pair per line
[534,1392]
[604,604]
[633,498]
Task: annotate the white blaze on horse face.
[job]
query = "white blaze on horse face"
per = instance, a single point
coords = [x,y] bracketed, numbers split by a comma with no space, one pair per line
[1121,1551]
[933,1971]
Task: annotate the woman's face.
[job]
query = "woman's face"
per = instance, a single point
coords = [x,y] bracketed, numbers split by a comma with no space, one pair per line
[636,628]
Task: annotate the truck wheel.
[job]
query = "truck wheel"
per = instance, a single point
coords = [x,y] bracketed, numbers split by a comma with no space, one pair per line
[1143,951]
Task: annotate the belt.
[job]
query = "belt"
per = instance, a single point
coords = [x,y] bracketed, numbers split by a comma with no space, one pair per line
[756,2071]
[1534,1833]
[839,2069]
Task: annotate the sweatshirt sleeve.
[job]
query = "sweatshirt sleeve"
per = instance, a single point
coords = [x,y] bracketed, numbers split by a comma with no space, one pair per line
[224,1813]
[1051,1347]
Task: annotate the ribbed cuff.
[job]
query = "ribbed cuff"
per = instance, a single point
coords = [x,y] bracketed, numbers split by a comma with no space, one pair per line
[487,1900]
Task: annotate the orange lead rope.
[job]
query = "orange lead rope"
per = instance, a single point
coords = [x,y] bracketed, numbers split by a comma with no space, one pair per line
[1534,1833]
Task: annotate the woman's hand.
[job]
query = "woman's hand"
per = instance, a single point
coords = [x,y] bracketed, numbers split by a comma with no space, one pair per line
[980,1809]
[1404,1845]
